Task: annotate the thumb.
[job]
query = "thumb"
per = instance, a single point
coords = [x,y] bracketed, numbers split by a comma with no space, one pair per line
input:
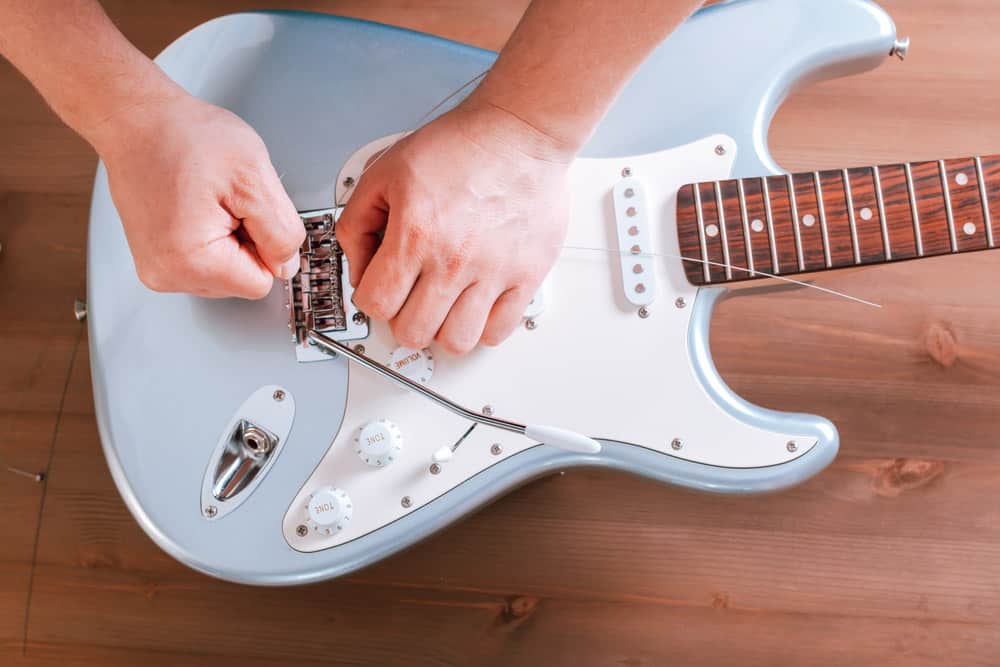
[360,225]
[270,220]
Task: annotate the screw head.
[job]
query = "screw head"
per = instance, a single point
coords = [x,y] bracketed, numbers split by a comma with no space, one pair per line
[681,302]
[496,449]
[488,410]
[530,324]
[278,395]
[643,312]
[211,511]
[720,150]
[360,349]
[359,317]
[435,468]
[792,446]
[676,444]
[406,502]
[301,530]
[626,172]
[348,182]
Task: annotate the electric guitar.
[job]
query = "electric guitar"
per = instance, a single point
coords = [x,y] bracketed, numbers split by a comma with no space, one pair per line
[290,440]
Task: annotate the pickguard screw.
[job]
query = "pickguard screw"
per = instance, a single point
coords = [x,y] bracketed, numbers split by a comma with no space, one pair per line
[211,511]
[680,302]
[792,446]
[348,182]
[626,172]
[406,502]
[301,530]
[530,324]
[643,312]
[435,468]
[359,318]
[278,395]
[496,449]
[360,349]
[720,150]
[488,410]
[676,444]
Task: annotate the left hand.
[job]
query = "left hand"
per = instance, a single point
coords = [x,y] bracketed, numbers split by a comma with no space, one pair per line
[451,231]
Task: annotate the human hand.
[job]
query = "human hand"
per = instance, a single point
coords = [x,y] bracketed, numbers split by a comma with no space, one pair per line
[202,207]
[451,231]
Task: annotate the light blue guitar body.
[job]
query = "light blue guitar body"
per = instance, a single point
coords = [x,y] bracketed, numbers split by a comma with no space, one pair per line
[173,374]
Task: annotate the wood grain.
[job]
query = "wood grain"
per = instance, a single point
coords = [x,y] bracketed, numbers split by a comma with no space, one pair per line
[890,557]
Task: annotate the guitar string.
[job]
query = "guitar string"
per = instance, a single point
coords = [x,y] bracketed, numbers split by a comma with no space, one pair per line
[800,283]
[423,119]
[416,126]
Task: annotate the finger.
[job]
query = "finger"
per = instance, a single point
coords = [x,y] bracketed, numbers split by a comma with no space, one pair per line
[230,268]
[386,282]
[464,325]
[260,202]
[424,312]
[360,226]
[506,315]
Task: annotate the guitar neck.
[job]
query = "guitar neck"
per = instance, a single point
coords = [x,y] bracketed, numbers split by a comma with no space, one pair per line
[815,221]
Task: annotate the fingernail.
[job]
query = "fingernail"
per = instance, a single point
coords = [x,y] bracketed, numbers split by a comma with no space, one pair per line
[288,270]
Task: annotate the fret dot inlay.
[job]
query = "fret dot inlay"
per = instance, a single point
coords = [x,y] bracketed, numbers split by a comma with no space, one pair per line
[712,230]
[808,220]
[865,213]
[757,225]
[961,179]
[969,228]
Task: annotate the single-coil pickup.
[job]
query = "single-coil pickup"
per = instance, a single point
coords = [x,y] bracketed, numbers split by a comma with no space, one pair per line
[632,225]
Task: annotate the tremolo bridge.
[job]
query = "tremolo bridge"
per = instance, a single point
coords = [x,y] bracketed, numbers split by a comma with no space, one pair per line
[319,296]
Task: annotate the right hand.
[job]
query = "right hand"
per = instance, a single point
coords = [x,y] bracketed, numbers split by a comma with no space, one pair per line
[203,208]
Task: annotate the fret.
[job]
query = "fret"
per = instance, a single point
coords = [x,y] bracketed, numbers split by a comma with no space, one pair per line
[851,218]
[947,206]
[796,232]
[766,192]
[881,214]
[913,209]
[984,199]
[944,206]
[722,231]
[822,220]
[746,226]
[700,217]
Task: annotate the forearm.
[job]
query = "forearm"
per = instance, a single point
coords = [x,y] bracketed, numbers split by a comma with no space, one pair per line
[568,60]
[80,63]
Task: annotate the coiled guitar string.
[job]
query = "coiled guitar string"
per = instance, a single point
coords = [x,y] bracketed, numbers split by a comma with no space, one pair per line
[423,119]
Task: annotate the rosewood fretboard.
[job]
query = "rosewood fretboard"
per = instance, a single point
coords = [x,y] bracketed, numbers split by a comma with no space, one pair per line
[814,221]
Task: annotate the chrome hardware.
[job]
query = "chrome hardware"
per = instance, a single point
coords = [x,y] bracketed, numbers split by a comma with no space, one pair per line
[246,453]
[488,410]
[348,182]
[246,449]
[530,325]
[676,444]
[301,530]
[792,446]
[319,297]
[80,310]
[406,502]
[643,312]
[680,302]
[720,150]
[435,468]
[496,449]
[900,48]
[626,172]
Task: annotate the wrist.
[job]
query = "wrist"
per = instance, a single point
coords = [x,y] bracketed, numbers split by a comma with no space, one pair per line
[504,126]
[128,109]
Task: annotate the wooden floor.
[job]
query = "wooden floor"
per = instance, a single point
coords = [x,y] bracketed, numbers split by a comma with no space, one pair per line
[890,557]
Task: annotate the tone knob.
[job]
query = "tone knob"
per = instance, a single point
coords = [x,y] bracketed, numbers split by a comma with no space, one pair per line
[378,443]
[329,510]
[417,365]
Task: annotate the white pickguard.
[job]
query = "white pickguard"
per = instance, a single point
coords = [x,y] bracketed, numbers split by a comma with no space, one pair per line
[591,365]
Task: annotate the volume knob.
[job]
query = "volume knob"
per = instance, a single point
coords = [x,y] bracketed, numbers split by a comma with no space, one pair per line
[378,443]
[329,509]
